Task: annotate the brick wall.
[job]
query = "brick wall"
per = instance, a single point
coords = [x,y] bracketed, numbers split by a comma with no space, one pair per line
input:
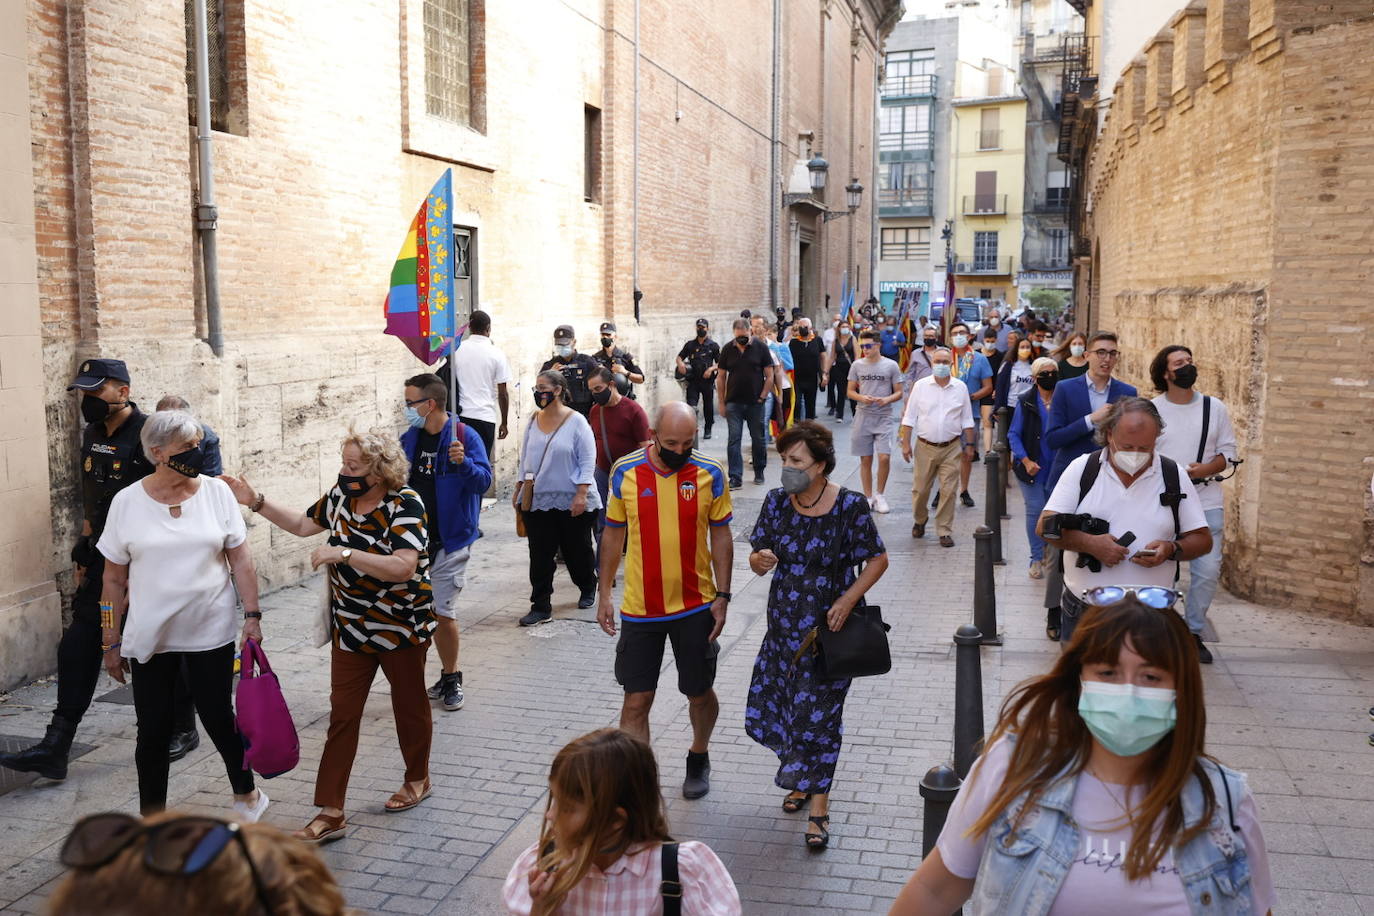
[1232,216]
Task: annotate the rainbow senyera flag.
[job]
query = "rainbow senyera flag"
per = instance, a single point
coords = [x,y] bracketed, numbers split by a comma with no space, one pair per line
[420,305]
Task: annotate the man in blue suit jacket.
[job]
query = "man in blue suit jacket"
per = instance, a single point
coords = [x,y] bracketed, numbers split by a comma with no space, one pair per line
[1079,404]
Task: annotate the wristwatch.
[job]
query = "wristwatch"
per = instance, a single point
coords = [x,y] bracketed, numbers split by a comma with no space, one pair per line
[346,554]
[725,595]
[252,615]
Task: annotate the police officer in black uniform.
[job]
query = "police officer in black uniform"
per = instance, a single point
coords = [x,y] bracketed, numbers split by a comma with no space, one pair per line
[111,459]
[576,367]
[619,361]
[697,363]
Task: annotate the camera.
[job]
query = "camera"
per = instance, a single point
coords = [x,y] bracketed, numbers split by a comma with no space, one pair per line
[1056,525]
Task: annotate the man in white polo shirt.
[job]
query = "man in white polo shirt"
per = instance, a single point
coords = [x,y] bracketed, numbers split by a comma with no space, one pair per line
[940,412]
[1199,436]
[1129,493]
[483,374]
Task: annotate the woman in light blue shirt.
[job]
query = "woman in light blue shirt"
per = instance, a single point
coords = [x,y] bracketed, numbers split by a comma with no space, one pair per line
[556,497]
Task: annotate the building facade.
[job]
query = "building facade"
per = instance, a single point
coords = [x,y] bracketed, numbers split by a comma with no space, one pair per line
[1050,34]
[603,168]
[988,191]
[1226,207]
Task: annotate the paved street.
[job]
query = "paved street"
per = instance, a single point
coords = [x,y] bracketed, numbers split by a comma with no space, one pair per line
[1286,701]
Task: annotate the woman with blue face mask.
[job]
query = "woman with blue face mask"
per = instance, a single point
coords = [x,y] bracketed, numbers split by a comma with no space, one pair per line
[819,541]
[1094,793]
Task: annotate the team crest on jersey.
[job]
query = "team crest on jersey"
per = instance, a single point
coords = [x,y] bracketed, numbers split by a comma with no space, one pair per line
[687,490]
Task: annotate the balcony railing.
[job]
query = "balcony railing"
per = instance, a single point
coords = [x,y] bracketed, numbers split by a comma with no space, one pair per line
[908,87]
[983,265]
[1039,260]
[916,142]
[989,139]
[985,204]
[1059,46]
[904,202]
[1055,200]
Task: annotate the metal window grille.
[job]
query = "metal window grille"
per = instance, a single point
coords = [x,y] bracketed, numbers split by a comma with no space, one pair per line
[219,62]
[448,68]
[911,244]
[985,250]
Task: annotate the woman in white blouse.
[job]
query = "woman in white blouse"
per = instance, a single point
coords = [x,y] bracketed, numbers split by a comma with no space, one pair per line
[166,544]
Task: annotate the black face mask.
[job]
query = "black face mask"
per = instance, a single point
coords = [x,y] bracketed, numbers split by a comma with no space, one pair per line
[607,342]
[672,460]
[189,462]
[1047,380]
[701,332]
[94,409]
[742,340]
[603,396]
[930,342]
[353,486]
[543,399]
[1185,376]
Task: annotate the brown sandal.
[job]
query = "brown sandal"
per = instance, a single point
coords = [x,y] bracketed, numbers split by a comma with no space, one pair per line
[405,798]
[334,828]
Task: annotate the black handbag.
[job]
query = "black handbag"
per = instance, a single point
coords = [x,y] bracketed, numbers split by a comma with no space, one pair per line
[859,648]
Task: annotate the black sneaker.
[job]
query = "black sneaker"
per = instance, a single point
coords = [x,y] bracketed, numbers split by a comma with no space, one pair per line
[437,691]
[706,435]
[182,743]
[736,483]
[453,691]
[698,781]
[586,599]
[536,617]
[966,499]
[935,501]
[758,478]
[1204,654]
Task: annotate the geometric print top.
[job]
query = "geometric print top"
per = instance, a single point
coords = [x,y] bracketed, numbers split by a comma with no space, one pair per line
[371,615]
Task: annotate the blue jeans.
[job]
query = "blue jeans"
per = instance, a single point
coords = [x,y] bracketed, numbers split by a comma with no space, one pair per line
[736,415]
[768,407]
[1203,574]
[1035,495]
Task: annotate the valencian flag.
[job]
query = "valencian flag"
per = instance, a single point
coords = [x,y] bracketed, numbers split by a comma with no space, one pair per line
[420,307]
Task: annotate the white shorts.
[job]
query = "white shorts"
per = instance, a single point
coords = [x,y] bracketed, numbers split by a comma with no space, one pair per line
[447,576]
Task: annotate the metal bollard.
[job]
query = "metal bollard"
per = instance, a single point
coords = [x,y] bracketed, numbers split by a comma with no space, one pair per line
[1004,415]
[1003,471]
[968,697]
[938,788]
[984,590]
[992,509]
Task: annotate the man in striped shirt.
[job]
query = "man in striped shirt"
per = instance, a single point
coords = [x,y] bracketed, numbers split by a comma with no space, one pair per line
[672,505]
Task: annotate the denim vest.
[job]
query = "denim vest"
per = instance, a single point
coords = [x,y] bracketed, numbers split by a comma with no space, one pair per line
[1021,871]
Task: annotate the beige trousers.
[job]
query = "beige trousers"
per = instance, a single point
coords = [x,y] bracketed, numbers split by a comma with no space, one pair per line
[930,461]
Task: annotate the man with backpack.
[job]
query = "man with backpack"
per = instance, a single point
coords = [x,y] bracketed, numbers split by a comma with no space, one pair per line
[1124,515]
[450,471]
[1199,436]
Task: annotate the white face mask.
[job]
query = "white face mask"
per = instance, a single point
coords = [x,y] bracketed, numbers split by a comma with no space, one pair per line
[1130,462]
[961,340]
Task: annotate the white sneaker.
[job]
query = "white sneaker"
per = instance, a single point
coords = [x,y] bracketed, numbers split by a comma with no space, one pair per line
[880,505]
[250,813]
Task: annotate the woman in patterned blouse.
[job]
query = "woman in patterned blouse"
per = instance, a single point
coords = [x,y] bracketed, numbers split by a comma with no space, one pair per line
[382,610]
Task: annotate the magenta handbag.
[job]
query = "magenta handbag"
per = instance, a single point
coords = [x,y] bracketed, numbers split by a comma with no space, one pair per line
[270,744]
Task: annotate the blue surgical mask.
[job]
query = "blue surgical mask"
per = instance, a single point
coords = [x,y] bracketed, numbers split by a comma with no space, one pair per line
[1126,719]
[940,370]
[413,418]
[563,350]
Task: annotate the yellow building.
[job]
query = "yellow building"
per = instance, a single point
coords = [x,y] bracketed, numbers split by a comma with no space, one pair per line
[989,181]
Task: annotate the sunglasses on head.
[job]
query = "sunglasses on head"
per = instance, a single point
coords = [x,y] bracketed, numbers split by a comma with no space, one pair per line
[183,846]
[1155,596]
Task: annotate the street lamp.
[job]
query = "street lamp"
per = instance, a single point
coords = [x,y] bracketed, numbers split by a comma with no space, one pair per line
[818,168]
[853,193]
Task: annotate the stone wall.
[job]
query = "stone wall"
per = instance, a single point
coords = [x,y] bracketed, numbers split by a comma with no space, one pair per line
[1230,192]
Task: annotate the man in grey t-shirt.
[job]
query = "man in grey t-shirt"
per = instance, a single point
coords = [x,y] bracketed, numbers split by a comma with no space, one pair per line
[875,384]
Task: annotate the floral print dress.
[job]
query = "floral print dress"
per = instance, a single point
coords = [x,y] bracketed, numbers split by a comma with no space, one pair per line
[790,710]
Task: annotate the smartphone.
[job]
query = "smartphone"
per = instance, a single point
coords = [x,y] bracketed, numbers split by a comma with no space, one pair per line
[1147,552]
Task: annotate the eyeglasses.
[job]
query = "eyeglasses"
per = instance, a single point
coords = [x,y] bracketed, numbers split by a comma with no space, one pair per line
[417,403]
[865,346]
[1155,596]
[1106,354]
[181,847]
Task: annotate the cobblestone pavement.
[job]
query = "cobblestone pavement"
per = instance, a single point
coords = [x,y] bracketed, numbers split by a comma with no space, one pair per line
[1286,701]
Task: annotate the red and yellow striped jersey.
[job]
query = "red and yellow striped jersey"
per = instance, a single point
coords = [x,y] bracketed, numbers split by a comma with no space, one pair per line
[668,563]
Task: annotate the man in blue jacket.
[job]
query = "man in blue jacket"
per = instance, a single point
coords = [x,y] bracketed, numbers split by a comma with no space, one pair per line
[1079,404]
[450,471]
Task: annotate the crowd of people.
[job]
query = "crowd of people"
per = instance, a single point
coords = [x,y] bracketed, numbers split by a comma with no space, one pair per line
[1093,785]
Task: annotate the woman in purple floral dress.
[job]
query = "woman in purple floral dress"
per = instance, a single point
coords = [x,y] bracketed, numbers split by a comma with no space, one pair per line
[813,534]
